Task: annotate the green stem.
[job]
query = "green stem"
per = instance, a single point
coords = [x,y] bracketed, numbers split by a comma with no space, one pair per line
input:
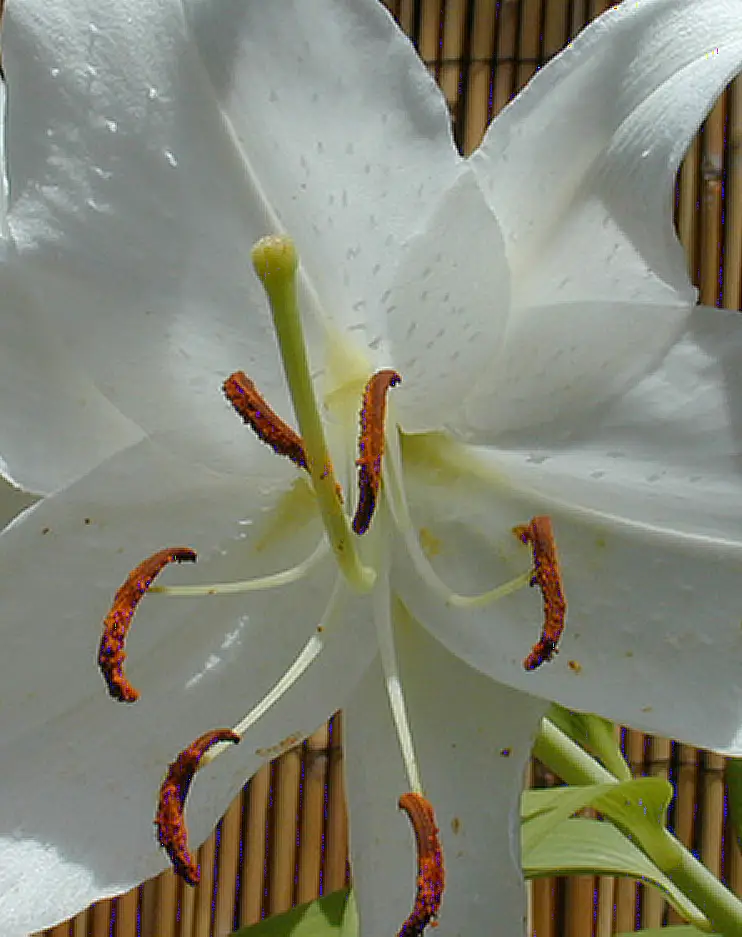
[276,262]
[571,763]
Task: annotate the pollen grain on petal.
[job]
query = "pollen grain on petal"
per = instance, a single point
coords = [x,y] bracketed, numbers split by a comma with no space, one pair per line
[247,400]
[116,624]
[371,445]
[172,832]
[431,875]
[539,534]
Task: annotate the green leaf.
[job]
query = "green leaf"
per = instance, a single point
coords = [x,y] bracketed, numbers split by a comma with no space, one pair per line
[581,846]
[330,916]
[595,734]
[733,776]
[675,930]
[637,807]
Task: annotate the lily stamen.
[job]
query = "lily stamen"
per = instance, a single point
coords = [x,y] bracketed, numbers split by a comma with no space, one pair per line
[247,400]
[172,832]
[116,624]
[546,575]
[260,584]
[430,870]
[397,500]
[326,627]
[371,445]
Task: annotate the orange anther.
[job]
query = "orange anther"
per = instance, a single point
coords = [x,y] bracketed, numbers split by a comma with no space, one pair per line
[371,445]
[265,423]
[431,876]
[539,533]
[116,624]
[169,820]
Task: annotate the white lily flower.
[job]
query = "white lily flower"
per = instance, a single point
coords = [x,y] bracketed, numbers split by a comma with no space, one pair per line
[534,301]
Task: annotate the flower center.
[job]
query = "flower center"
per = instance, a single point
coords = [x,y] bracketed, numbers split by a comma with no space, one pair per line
[382,512]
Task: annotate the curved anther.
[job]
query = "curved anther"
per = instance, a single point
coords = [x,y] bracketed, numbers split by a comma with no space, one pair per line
[116,624]
[431,877]
[546,575]
[247,400]
[172,832]
[371,445]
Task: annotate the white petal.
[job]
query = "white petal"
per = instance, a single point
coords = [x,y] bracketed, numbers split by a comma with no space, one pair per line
[55,425]
[344,128]
[81,772]
[473,740]
[669,453]
[579,171]
[653,635]
[448,307]
[641,77]
[132,216]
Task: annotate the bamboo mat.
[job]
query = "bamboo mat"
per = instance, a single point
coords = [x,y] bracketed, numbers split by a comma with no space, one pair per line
[284,839]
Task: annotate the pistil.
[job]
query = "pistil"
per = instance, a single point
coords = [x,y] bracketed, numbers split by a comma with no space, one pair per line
[275,261]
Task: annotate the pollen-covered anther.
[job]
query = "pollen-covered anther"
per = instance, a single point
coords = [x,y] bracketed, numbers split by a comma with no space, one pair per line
[431,876]
[546,575]
[247,400]
[371,445]
[116,624]
[172,832]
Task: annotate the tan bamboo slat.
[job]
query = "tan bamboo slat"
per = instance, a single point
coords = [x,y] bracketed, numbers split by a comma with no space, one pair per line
[732,286]
[282,855]
[475,115]
[204,892]
[529,41]
[228,867]
[252,891]
[311,833]
[685,802]
[712,166]
[556,19]
[507,46]
[336,827]
[126,910]
[186,909]
[658,766]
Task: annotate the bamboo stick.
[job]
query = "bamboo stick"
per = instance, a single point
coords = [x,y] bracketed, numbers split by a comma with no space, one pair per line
[428,40]
[405,15]
[312,815]
[160,905]
[685,803]
[255,840]
[529,41]
[627,895]
[101,918]
[653,904]
[81,924]
[228,864]
[606,902]
[204,891]
[451,60]
[507,39]
[186,906]
[732,286]
[127,910]
[282,857]
[712,812]
[580,17]
[336,827]
[478,111]
[580,905]
[712,169]
[686,215]
[556,18]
